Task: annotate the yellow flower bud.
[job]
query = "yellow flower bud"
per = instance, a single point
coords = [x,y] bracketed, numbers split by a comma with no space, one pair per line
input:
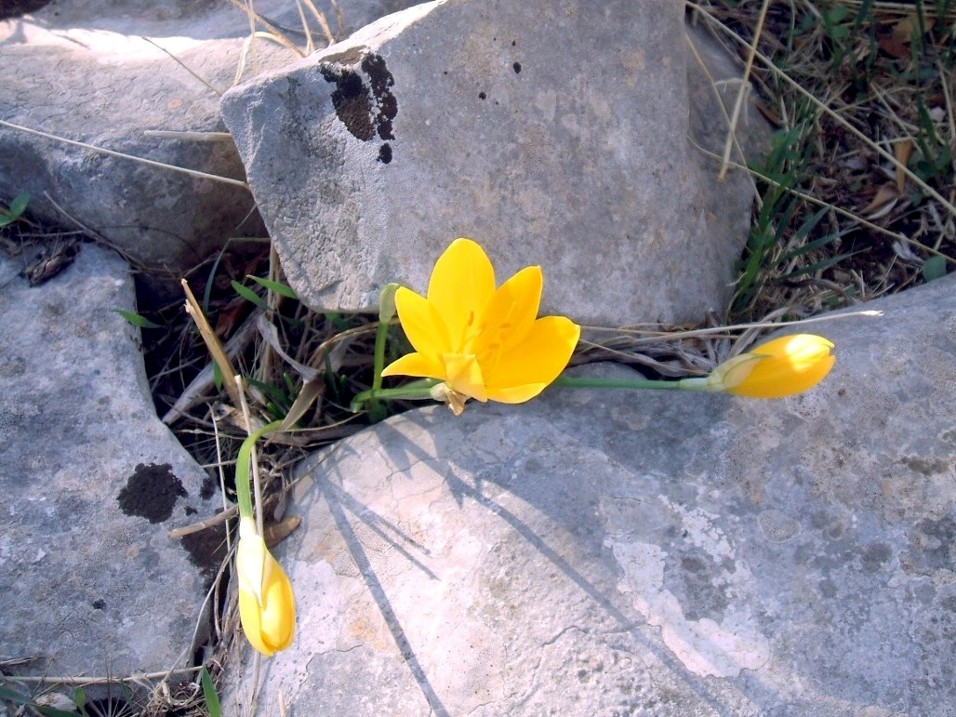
[778,368]
[266,601]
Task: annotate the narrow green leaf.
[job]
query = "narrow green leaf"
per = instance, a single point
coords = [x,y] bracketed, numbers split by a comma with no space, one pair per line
[248,294]
[209,693]
[934,268]
[137,319]
[273,392]
[275,286]
[817,266]
[12,696]
[19,204]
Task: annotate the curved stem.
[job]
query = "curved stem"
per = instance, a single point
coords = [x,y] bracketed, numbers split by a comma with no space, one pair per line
[683,384]
[243,490]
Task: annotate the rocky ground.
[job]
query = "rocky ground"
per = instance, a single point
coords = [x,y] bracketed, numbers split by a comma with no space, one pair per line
[592,552]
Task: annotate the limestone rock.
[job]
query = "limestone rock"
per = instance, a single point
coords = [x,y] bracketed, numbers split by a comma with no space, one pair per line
[553,133]
[607,553]
[91,483]
[87,72]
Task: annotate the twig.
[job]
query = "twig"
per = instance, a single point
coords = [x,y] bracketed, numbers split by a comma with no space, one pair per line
[742,92]
[49,679]
[183,65]
[112,153]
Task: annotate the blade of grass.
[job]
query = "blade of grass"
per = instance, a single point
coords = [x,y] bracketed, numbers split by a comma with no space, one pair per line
[276,286]
[209,694]
[219,356]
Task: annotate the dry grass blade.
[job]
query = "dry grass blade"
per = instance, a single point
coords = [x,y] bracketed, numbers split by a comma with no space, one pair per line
[112,153]
[199,386]
[212,343]
[313,388]
[838,118]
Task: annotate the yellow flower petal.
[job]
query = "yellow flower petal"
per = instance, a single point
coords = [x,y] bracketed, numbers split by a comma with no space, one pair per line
[423,326]
[788,365]
[266,600]
[510,316]
[416,364]
[526,370]
[461,286]
[463,375]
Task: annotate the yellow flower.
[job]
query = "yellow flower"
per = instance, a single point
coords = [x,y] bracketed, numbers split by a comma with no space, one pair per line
[266,602]
[481,342]
[782,367]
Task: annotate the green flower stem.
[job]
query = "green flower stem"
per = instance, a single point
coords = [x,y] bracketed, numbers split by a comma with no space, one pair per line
[243,492]
[386,311]
[684,384]
[415,391]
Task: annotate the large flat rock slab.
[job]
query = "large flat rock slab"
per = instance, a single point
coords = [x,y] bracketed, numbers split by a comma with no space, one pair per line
[91,483]
[553,133]
[609,553]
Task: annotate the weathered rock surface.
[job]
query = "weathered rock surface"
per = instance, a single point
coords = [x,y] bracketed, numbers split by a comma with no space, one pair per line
[91,483]
[83,72]
[611,553]
[554,133]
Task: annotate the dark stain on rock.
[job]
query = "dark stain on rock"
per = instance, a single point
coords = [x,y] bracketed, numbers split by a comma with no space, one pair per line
[99,604]
[363,98]
[696,582]
[207,549]
[932,547]
[381,81]
[208,488]
[350,98]
[151,492]
[926,466]
[875,556]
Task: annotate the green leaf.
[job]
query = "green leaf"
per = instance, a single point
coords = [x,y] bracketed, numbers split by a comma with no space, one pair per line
[11,696]
[248,294]
[19,204]
[275,286]
[209,693]
[137,319]
[934,268]
[273,392]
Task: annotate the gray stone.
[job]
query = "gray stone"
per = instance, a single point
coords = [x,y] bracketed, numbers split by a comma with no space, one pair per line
[91,483]
[83,72]
[553,133]
[610,553]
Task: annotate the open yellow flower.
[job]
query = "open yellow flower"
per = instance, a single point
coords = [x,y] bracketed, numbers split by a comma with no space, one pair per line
[266,601]
[481,342]
[778,368]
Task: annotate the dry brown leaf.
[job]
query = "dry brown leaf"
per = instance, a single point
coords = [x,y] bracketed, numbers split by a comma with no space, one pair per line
[902,151]
[275,533]
[882,201]
[897,42]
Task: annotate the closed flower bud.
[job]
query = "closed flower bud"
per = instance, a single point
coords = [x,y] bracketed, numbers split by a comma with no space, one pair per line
[778,368]
[266,601]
